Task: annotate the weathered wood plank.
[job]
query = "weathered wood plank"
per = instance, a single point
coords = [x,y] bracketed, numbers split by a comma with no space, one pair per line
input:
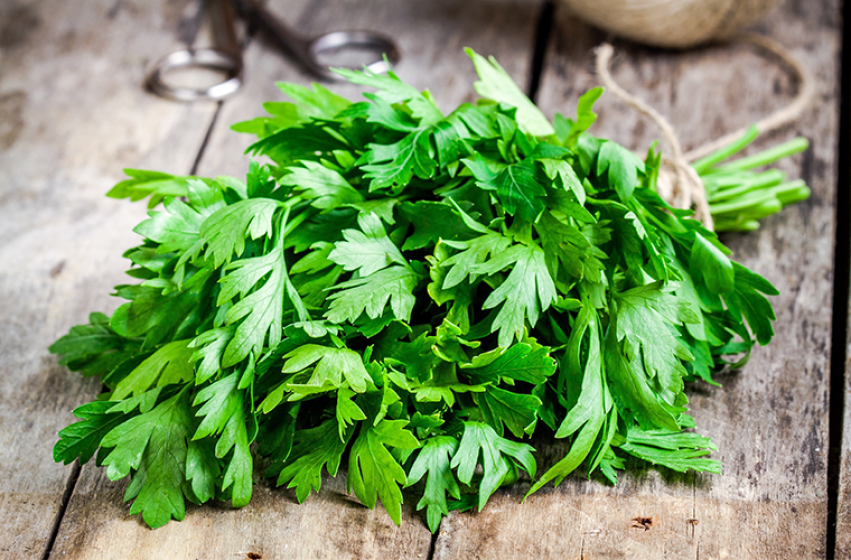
[769,420]
[72,115]
[330,524]
[843,514]
[273,525]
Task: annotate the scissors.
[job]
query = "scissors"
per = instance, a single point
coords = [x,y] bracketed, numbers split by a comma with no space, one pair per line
[225,56]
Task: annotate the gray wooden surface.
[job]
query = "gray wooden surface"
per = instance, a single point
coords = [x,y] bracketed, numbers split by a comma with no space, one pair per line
[72,114]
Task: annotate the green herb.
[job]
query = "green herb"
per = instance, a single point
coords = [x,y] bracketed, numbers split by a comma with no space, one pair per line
[416,294]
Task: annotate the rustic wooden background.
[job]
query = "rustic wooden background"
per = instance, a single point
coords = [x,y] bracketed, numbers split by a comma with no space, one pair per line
[73,114]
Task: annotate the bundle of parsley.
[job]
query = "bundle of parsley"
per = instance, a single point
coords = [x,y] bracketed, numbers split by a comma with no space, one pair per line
[415,294]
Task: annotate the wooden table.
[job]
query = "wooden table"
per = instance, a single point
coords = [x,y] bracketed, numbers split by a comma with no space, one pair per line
[73,114]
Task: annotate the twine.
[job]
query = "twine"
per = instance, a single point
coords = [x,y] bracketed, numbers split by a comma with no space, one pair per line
[671,23]
[678,182]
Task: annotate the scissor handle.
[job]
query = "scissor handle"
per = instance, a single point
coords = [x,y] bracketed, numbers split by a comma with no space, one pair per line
[205,59]
[224,56]
[306,50]
[342,40]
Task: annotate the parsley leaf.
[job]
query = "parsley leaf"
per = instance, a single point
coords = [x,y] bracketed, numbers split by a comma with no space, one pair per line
[498,455]
[371,295]
[528,290]
[154,446]
[368,250]
[519,362]
[394,165]
[313,449]
[82,439]
[621,167]
[332,365]
[496,84]
[169,364]
[373,472]
[433,460]
[520,192]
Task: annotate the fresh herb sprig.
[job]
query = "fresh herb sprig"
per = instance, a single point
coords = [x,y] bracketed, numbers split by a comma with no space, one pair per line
[413,294]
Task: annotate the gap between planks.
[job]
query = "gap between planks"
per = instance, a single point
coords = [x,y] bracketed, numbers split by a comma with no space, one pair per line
[63,505]
[840,311]
[542,38]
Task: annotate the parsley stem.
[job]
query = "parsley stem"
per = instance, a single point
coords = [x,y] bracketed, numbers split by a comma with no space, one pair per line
[702,165]
[724,181]
[735,179]
[742,203]
[768,156]
[765,209]
[738,224]
[770,178]
[296,221]
[791,192]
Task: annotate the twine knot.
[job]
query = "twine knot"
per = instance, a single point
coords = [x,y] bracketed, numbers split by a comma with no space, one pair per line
[681,187]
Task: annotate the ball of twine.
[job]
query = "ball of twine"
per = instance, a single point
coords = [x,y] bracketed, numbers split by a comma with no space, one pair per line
[671,23]
[678,183]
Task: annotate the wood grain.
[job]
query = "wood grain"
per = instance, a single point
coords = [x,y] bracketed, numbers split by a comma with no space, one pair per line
[330,524]
[72,115]
[769,420]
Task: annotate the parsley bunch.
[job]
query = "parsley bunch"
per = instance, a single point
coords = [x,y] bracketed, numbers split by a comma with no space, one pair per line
[414,294]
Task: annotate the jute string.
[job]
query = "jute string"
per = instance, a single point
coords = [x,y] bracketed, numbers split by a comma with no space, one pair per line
[678,183]
[671,23]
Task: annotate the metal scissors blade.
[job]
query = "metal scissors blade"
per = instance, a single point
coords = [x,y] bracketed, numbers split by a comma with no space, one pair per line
[307,50]
[226,57]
